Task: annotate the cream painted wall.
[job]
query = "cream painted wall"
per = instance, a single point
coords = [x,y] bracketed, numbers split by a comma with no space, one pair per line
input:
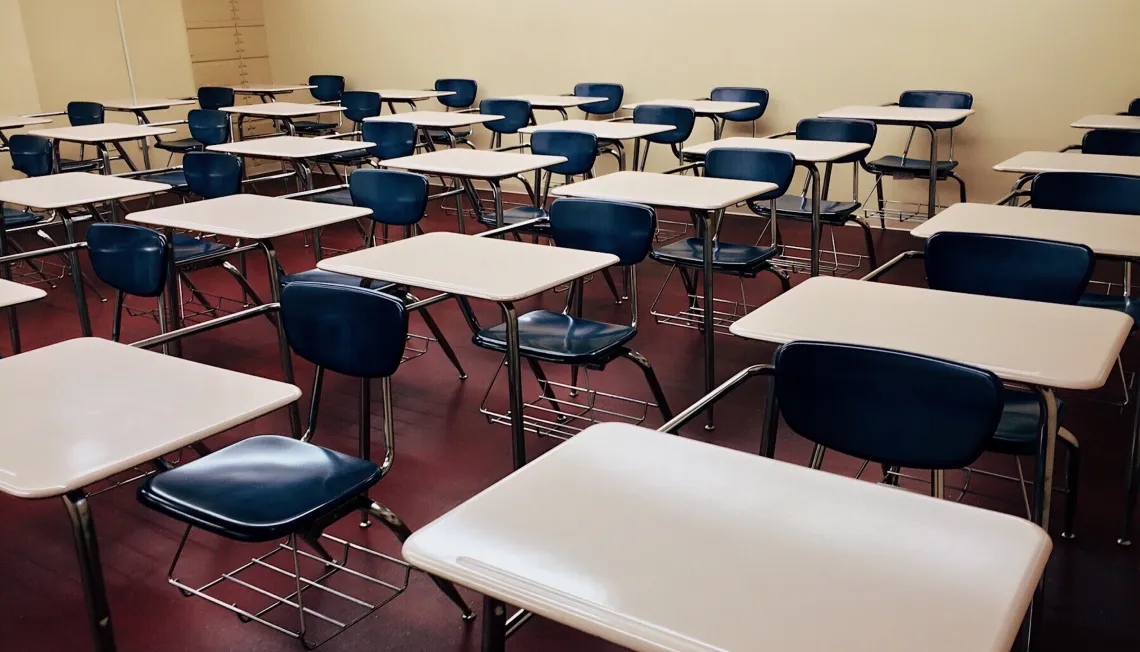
[1032,65]
[19,81]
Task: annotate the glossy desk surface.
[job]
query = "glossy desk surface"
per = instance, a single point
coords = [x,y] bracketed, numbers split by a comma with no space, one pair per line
[282,109]
[290,147]
[814,151]
[900,115]
[556,101]
[667,190]
[437,119]
[603,129]
[144,104]
[409,94]
[12,293]
[107,132]
[472,164]
[17,121]
[1037,162]
[1124,122]
[700,107]
[73,189]
[249,217]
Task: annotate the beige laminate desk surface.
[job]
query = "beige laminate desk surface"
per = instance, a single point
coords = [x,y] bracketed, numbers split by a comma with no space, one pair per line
[1124,122]
[125,406]
[472,164]
[700,107]
[556,101]
[663,544]
[249,217]
[271,89]
[107,132]
[1067,347]
[666,190]
[144,104]
[437,119]
[480,268]
[17,121]
[12,293]
[73,189]
[603,129]
[1037,162]
[290,147]
[409,95]
[282,109]
[1107,234]
[899,115]
[814,151]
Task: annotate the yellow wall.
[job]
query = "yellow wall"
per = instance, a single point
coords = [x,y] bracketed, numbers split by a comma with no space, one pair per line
[19,95]
[1032,65]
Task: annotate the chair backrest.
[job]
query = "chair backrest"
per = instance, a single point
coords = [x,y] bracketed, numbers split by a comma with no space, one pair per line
[209,126]
[212,174]
[1134,107]
[680,118]
[359,105]
[1009,267]
[516,114]
[752,165]
[130,258]
[614,93]
[742,94]
[393,139]
[579,147]
[350,330]
[394,197]
[1113,142]
[936,100]
[30,154]
[326,88]
[80,114]
[887,406]
[619,228]
[465,91]
[844,131]
[213,98]
[1082,191]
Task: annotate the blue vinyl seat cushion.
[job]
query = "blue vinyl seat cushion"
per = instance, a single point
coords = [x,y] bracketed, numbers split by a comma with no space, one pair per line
[14,218]
[313,126]
[1119,303]
[321,276]
[187,248]
[440,138]
[915,166]
[1017,432]
[260,489]
[340,197]
[181,145]
[555,337]
[72,165]
[353,157]
[174,178]
[745,260]
[519,214]
[836,212]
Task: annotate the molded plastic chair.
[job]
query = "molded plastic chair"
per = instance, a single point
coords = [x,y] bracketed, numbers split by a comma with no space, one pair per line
[213,98]
[358,105]
[1134,107]
[1030,270]
[624,230]
[681,118]
[742,94]
[134,261]
[465,91]
[516,115]
[271,487]
[1111,142]
[614,93]
[393,140]
[327,89]
[32,156]
[81,114]
[207,127]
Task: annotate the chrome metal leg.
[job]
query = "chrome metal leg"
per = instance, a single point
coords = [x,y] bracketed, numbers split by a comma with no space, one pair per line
[710,348]
[1132,481]
[76,275]
[494,625]
[117,317]
[6,272]
[497,193]
[1072,482]
[514,380]
[654,385]
[816,227]
[364,424]
[90,570]
[173,292]
[771,422]
[443,343]
[1043,480]
[145,145]
[282,343]
[933,190]
[938,483]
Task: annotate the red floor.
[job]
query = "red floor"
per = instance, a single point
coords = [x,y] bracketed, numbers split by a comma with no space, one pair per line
[446,453]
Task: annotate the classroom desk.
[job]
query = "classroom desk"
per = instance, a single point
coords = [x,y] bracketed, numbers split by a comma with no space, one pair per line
[269,92]
[283,112]
[139,107]
[408,96]
[712,109]
[1043,345]
[557,103]
[60,193]
[11,295]
[1037,162]
[808,153]
[100,135]
[663,544]
[126,407]
[607,132]
[900,116]
[440,121]
[497,270]
[1116,122]
[466,165]
[705,198]
[295,150]
[16,122]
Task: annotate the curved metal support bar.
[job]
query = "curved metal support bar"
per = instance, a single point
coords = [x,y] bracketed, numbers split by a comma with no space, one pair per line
[714,396]
[166,338]
[511,227]
[312,193]
[690,166]
[906,255]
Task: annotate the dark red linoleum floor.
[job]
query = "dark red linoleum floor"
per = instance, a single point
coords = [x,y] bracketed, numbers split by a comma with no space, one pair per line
[447,453]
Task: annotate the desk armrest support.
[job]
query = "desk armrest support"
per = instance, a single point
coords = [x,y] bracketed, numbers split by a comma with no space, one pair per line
[712,397]
[906,255]
[233,318]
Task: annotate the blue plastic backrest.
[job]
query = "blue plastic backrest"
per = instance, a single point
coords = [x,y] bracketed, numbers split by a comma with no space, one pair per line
[130,258]
[1009,267]
[327,88]
[612,92]
[393,139]
[936,100]
[1134,107]
[352,331]
[212,174]
[619,228]
[516,114]
[81,114]
[752,165]
[395,197]
[887,406]
[580,148]
[465,91]
[359,105]
[680,118]
[213,98]
[844,131]
[30,154]
[1112,142]
[742,94]
[1082,191]
[209,127]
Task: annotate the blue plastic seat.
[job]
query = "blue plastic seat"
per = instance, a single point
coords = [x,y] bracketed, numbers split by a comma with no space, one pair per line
[213,98]
[331,278]
[358,105]
[614,93]
[207,127]
[465,91]
[326,88]
[32,156]
[728,258]
[682,119]
[188,249]
[131,259]
[1111,142]
[742,94]
[213,174]
[555,337]
[14,218]
[1134,107]
[516,115]
[393,140]
[81,114]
